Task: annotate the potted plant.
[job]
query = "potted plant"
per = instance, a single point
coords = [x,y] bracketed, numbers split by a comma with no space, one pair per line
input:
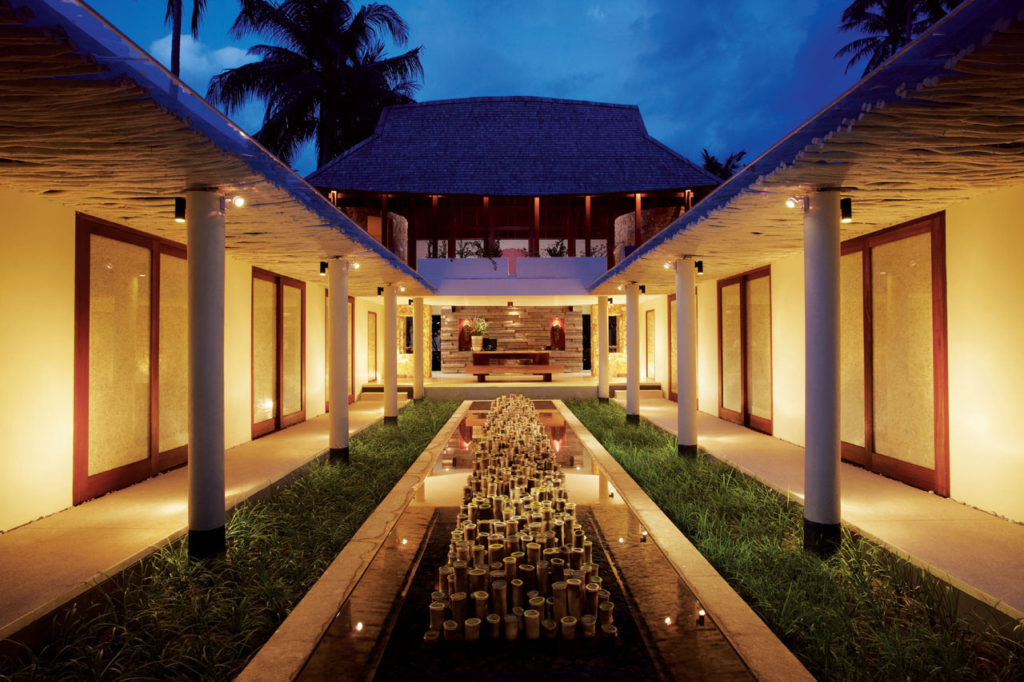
[477,329]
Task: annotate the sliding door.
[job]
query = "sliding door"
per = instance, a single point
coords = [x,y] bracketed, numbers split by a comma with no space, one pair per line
[131,354]
[745,349]
[673,367]
[649,352]
[371,347]
[278,352]
[893,305]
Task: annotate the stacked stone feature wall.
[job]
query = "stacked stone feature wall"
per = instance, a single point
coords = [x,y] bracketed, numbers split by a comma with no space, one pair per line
[515,328]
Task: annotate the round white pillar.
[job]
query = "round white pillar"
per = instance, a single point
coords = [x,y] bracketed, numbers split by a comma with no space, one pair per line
[686,357]
[633,352]
[337,359]
[417,350]
[204,217]
[391,354]
[822,439]
[602,348]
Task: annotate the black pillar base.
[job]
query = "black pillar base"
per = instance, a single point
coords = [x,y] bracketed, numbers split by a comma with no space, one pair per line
[822,538]
[687,450]
[338,456]
[203,544]
[602,400]
[418,400]
[632,419]
[391,420]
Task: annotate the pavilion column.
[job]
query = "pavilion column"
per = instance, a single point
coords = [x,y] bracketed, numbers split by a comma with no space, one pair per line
[417,351]
[822,439]
[686,357]
[602,348]
[633,352]
[204,215]
[337,359]
[391,353]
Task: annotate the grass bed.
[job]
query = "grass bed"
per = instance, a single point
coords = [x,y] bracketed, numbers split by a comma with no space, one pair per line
[863,614]
[168,617]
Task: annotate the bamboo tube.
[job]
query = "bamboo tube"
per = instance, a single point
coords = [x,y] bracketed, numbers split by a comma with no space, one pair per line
[477,579]
[589,626]
[531,619]
[605,612]
[576,558]
[588,551]
[543,582]
[590,598]
[511,627]
[573,597]
[481,605]
[472,629]
[437,614]
[463,552]
[533,552]
[461,577]
[499,597]
[520,557]
[459,607]
[451,630]
[528,574]
[493,626]
[479,556]
[568,627]
[431,637]
[609,631]
[538,604]
[603,595]
[495,552]
[442,577]
[550,628]
[510,567]
[558,597]
[438,595]
[517,591]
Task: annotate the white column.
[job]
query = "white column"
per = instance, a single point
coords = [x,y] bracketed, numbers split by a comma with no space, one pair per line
[602,348]
[391,353]
[204,215]
[633,352]
[686,357]
[417,350]
[337,359]
[821,305]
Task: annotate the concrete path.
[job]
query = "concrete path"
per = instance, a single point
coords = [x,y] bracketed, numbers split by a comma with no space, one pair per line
[48,562]
[978,553]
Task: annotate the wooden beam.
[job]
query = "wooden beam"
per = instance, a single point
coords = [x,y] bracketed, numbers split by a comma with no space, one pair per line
[489,222]
[385,233]
[570,228]
[535,237]
[587,225]
[411,234]
[637,221]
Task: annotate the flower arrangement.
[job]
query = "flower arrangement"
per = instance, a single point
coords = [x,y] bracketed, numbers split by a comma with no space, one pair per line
[478,326]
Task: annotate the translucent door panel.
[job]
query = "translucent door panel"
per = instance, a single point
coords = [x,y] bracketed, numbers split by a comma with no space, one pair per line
[759,347]
[649,344]
[732,349]
[902,334]
[673,370]
[119,353]
[264,349]
[173,366]
[371,347]
[851,347]
[291,350]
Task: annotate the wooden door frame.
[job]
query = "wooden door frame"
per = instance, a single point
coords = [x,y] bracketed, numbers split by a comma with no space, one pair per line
[277,421]
[744,417]
[672,395]
[936,479]
[83,486]
[649,316]
[376,340]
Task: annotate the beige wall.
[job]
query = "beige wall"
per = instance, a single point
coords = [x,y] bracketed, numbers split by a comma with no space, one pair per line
[364,305]
[659,304]
[707,346]
[237,352]
[984,291]
[316,350]
[788,348]
[37,276]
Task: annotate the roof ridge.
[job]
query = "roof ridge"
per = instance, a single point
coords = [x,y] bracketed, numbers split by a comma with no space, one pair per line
[512,98]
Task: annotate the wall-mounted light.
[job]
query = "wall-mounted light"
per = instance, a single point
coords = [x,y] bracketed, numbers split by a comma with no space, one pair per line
[323,268]
[179,209]
[410,301]
[355,265]
[700,266]
[643,288]
[380,290]
[609,300]
[621,287]
[401,288]
[794,201]
[237,201]
[846,210]
[668,265]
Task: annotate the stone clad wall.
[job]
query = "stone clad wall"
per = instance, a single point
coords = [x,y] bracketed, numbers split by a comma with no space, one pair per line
[515,328]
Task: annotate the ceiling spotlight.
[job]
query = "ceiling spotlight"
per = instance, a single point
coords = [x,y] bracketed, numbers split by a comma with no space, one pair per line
[179,209]
[620,287]
[401,288]
[237,201]
[846,210]
[323,268]
[355,265]
[668,265]
[791,202]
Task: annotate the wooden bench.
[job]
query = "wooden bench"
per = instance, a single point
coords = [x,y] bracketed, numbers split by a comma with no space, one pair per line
[481,371]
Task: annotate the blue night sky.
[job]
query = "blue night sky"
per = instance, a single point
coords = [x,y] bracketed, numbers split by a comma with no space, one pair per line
[726,75]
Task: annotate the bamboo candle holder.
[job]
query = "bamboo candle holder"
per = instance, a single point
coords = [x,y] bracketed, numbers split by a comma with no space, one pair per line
[472,629]
[511,627]
[588,624]
[609,631]
[451,630]
[539,604]
[499,597]
[531,619]
[459,607]
[528,574]
[605,612]
[517,592]
[461,569]
[481,604]
[574,597]
[549,628]
[477,579]
[543,576]
[442,577]
[557,570]
[431,637]
[588,552]
[591,598]
[493,626]
[438,613]
[559,600]
[568,627]
[533,552]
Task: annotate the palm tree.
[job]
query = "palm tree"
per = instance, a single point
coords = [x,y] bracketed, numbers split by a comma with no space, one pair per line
[174,16]
[889,25]
[326,79]
[723,169]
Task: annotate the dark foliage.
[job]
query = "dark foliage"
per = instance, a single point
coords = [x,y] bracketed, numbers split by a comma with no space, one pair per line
[888,26]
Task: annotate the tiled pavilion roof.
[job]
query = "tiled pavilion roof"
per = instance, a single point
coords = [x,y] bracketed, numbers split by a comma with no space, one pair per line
[510,146]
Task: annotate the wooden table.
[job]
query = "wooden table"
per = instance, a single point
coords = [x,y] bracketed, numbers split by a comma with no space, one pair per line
[526,357]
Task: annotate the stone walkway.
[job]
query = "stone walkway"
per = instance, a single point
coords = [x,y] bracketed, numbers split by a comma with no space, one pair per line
[48,562]
[980,554]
